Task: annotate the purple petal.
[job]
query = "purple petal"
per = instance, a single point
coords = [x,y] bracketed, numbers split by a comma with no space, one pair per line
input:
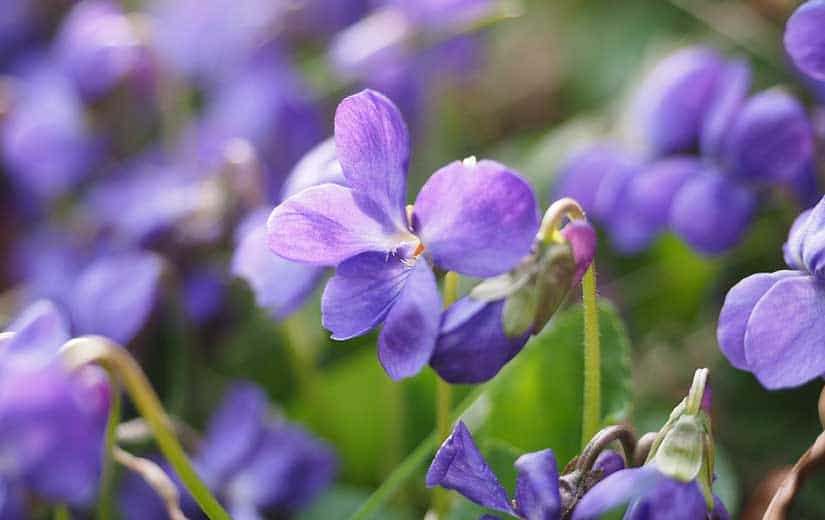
[115,295]
[478,219]
[771,138]
[785,334]
[813,241]
[361,293]
[581,176]
[458,465]
[670,500]
[653,189]
[804,39]
[408,339]
[608,462]
[319,166]
[40,330]
[711,213]
[737,309]
[731,91]
[280,285]
[537,486]
[720,512]
[582,239]
[472,346]
[617,489]
[675,97]
[792,249]
[233,433]
[204,292]
[373,146]
[324,225]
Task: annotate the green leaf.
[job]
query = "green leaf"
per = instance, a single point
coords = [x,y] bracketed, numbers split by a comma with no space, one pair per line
[340,502]
[540,397]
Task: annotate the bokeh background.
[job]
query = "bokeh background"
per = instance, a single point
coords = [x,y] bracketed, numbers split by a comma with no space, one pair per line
[527,90]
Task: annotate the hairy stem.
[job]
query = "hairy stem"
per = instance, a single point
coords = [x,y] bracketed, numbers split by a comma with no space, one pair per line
[592,396]
[102,351]
[443,400]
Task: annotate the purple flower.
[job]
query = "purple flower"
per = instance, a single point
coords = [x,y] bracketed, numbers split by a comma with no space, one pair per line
[47,145]
[458,465]
[281,285]
[804,39]
[98,47]
[474,343]
[253,462]
[771,323]
[651,495]
[17,24]
[53,420]
[477,219]
[673,100]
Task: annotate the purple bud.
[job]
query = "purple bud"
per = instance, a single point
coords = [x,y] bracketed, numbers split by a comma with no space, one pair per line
[805,40]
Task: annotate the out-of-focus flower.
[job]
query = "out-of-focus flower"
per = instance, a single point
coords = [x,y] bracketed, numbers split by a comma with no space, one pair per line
[98,46]
[203,293]
[47,115]
[676,480]
[53,421]
[804,39]
[475,218]
[771,324]
[209,39]
[483,331]
[16,24]
[747,145]
[253,462]
[281,285]
[107,293]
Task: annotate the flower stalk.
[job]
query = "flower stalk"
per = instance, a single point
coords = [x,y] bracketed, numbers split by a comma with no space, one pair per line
[592,396]
[116,360]
[105,504]
[443,399]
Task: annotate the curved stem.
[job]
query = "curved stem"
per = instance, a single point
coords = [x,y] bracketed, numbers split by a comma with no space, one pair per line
[105,505]
[592,396]
[555,213]
[61,512]
[156,478]
[99,350]
[443,400]
[602,440]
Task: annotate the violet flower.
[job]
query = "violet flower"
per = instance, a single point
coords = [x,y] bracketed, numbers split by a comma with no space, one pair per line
[98,46]
[254,463]
[477,219]
[475,341]
[458,465]
[53,420]
[771,323]
[804,39]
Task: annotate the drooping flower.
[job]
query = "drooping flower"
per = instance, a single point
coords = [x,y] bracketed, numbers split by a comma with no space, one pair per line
[483,331]
[253,462]
[804,40]
[475,218]
[675,481]
[771,323]
[459,465]
[53,420]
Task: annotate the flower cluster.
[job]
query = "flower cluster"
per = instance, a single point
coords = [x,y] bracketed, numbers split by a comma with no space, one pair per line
[476,218]
[709,152]
[254,462]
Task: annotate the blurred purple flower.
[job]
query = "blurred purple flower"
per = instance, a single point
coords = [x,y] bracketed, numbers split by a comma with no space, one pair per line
[53,420]
[254,463]
[47,145]
[804,39]
[458,465]
[17,24]
[771,324]
[204,290]
[209,39]
[651,494]
[97,46]
[477,219]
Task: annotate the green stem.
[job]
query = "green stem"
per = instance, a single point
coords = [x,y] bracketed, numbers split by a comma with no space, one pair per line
[102,351]
[61,512]
[410,465]
[592,397]
[105,505]
[443,400]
